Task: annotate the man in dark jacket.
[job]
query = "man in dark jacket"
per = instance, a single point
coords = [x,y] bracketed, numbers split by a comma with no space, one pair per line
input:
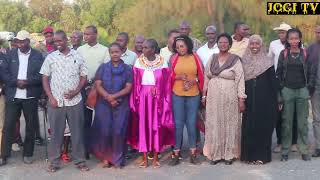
[20,73]
[313,57]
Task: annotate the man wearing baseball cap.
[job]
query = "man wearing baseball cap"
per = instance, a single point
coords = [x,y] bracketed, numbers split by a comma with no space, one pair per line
[275,48]
[22,80]
[47,46]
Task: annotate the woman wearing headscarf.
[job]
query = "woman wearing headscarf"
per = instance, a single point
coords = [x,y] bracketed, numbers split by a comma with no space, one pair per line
[224,96]
[260,115]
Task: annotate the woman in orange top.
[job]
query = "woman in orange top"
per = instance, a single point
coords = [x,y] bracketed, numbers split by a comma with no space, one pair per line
[187,78]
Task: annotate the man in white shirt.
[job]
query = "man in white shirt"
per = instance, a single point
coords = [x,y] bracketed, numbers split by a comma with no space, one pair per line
[167,51]
[129,57]
[211,47]
[20,74]
[275,49]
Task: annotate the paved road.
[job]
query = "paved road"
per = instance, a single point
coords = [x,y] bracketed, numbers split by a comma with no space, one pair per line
[294,169]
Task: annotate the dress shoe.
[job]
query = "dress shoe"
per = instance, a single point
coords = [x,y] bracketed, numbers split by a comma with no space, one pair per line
[27,160]
[305,157]
[316,153]
[284,158]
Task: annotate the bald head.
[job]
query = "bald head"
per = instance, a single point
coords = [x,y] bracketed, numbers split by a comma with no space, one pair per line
[211,35]
[76,38]
[138,41]
[184,28]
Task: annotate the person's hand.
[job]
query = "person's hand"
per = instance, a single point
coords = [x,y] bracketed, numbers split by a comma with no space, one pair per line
[114,103]
[110,98]
[188,84]
[71,94]
[280,106]
[204,101]
[3,50]
[53,102]
[154,91]
[21,84]
[181,77]
[242,106]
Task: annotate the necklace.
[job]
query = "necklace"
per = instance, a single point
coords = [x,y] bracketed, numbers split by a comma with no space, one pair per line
[150,65]
[295,56]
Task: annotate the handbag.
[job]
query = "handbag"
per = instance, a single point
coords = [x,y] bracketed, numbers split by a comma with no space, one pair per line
[92,97]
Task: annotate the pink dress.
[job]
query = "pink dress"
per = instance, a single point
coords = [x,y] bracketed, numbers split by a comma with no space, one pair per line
[152,126]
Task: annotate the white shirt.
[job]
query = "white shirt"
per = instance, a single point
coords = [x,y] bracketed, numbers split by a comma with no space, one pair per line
[205,53]
[166,53]
[22,73]
[64,72]
[275,49]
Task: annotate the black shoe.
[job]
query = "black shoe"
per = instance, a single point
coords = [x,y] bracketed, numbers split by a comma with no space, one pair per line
[174,161]
[214,162]
[193,159]
[39,141]
[305,157]
[3,161]
[284,158]
[228,162]
[316,153]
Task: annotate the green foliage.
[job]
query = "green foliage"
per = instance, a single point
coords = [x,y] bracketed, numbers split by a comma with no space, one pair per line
[152,18]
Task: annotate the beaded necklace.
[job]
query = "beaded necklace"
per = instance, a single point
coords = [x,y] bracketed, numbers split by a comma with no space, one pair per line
[150,65]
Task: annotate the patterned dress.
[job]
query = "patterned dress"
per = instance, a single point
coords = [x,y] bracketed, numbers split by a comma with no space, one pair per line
[223,120]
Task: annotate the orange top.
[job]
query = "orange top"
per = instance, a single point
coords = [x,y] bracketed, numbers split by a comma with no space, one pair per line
[185,65]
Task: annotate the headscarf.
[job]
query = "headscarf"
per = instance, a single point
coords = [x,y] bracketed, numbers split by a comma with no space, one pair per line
[255,64]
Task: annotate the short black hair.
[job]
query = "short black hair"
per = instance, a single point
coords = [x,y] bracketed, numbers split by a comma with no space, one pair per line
[93,28]
[186,40]
[154,45]
[226,35]
[173,31]
[62,33]
[125,34]
[114,44]
[293,30]
[237,25]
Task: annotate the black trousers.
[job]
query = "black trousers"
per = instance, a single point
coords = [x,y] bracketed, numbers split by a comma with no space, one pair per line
[13,109]
[294,129]
[87,120]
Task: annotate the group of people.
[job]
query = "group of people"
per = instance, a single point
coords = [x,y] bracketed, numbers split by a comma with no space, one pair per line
[143,98]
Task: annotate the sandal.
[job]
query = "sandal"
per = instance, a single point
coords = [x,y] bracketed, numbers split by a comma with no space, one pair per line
[106,165]
[156,164]
[83,167]
[65,158]
[143,164]
[258,162]
[52,168]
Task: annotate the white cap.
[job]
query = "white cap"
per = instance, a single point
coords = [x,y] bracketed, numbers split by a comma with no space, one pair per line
[22,35]
[283,27]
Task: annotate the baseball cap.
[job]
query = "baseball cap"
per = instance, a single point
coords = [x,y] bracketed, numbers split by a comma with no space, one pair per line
[47,29]
[22,35]
[283,27]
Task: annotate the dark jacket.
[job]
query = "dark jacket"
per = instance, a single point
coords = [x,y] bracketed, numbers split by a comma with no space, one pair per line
[313,57]
[9,73]
[282,69]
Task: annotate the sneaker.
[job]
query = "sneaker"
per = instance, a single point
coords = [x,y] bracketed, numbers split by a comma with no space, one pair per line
[277,149]
[15,147]
[193,159]
[65,157]
[27,160]
[174,161]
[39,141]
[294,148]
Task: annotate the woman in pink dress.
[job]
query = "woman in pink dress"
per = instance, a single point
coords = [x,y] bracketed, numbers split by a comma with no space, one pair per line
[152,127]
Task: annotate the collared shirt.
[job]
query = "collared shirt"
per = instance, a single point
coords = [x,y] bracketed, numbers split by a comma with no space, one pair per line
[196,44]
[275,49]
[166,53]
[128,57]
[239,47]
[64,72]
[205,53]
[94,56]
[22,73]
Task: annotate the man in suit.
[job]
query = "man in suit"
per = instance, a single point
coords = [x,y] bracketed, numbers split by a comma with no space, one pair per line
[22,87]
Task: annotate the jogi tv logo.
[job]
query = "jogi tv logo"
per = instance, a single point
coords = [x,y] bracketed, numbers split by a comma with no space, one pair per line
[293,8]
